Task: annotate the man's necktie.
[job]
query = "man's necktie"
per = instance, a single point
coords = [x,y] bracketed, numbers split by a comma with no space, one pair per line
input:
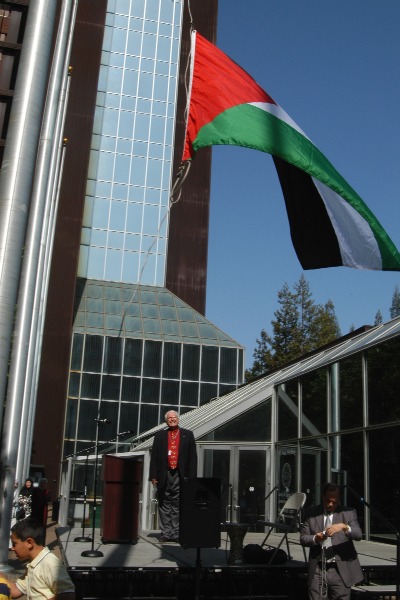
[328,521]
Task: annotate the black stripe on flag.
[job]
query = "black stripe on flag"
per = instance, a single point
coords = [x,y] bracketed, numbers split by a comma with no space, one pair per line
[311,230]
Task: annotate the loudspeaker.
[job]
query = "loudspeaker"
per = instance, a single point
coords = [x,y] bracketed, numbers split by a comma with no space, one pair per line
[200,513]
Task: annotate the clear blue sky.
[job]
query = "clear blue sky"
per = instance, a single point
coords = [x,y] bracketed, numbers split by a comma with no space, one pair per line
[334,66]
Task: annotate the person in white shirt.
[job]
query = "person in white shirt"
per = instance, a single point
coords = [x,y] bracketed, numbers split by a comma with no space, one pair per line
[46,576]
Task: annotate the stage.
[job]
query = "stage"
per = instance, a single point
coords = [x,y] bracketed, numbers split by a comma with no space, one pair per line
[149,569]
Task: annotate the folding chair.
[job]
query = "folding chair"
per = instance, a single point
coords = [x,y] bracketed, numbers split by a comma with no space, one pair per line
[288,521]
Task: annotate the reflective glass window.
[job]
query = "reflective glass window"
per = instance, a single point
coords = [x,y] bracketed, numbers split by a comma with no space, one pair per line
[190,394]
[118,213]
[228,365]
[70,424]
[118,40]
[122,168]
[151,326]
[126,121]
[90,387]
[106,165]
[150,220]
[207,392]
[170,393]
[351,469]
[130,389]
[350,414]
[88,410]
[138,173]
[95,264]
[288,411]
[191,362]
[384,382]
[164,47]
[154,172]
[93,353]
[384,458]
[172,361]
[113,266]
[129,415]
[189,329]
[209,363]
[149,45]
[142,125]
[170,327]
[108,411]
[134,217]
[116,240]
[133,357]
[114,86]
[150,311]
[74,382]
[110,387]
[77,350]
[100,213]
[113,355]
[148,417]
[152,359]
[150,391]
[252,426]
[313,469]
[134,43]
[314,399]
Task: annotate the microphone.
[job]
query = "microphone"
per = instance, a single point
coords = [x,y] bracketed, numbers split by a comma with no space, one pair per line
[124,433]
[103,421]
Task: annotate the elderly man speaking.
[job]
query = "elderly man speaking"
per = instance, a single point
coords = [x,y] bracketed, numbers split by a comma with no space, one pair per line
[173,458]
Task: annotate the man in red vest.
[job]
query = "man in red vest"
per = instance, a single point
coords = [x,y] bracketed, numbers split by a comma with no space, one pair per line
[173,458]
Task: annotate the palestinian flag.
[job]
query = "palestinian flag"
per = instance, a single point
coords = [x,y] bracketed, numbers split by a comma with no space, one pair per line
[330,224]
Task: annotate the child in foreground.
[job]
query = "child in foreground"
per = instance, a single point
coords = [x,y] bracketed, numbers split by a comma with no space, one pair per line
[46,576]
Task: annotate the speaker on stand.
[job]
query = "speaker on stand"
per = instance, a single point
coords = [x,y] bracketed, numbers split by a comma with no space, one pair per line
[200,517]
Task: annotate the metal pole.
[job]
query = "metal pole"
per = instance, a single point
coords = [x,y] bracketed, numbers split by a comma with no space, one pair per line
[15,190]
[34,279]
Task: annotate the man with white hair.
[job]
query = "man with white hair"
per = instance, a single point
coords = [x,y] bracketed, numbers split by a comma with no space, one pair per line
[173,458]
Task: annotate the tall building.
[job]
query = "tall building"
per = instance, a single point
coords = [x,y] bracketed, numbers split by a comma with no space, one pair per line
[125,334]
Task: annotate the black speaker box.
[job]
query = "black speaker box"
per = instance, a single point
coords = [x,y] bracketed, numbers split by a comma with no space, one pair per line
[200,513]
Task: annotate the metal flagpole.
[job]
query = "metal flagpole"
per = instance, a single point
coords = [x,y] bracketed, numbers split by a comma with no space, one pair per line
[16,181]
[34,281]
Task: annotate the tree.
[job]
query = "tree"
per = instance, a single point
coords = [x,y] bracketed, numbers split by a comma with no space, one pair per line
[395,307]
[299,327]
[378,317]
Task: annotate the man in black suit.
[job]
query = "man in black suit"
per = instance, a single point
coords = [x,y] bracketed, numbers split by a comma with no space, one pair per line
[329,531]
[173,458]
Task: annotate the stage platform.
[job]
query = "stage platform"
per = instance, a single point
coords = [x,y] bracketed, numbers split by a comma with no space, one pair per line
[149,569]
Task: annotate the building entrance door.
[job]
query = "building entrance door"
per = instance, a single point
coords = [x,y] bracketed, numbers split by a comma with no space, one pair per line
[242,470]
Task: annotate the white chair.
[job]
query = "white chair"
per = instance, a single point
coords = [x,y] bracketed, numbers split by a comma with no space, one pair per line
[288,521]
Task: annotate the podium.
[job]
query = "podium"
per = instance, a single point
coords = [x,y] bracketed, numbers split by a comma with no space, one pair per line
[120,506]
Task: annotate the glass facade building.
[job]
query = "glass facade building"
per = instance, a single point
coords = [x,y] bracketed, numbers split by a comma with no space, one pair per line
[332,416]
[136,353]
[125,227]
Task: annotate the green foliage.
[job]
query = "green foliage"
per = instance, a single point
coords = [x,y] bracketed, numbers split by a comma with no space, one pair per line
[394,310]
[300,326]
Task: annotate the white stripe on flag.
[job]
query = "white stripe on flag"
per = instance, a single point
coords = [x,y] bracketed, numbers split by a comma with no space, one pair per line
[352,231]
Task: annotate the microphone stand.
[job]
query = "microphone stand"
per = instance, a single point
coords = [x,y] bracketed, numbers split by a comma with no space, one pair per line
[390,526]
[84,538]
[92,553]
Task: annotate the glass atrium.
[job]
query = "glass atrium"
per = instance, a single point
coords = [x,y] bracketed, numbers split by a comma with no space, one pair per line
[137,352]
